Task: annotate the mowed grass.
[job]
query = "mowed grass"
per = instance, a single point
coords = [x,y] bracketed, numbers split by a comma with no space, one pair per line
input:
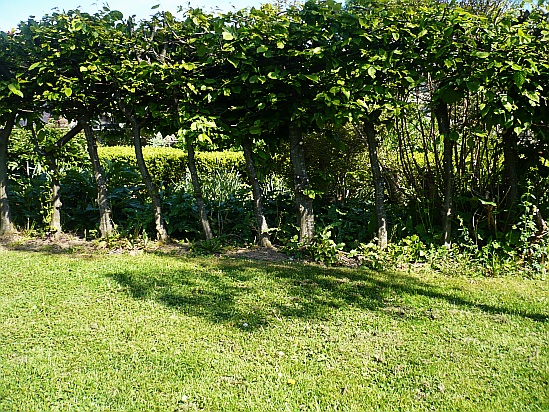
[169,333]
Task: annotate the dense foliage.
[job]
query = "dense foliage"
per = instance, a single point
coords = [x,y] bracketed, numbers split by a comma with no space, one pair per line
[411,123]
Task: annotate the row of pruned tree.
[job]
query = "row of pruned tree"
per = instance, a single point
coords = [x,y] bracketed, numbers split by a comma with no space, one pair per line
[447,81]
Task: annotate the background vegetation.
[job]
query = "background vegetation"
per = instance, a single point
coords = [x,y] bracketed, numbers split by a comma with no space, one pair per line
[390,130]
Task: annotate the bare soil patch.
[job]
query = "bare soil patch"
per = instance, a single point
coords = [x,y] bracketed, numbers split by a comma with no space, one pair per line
[74,244]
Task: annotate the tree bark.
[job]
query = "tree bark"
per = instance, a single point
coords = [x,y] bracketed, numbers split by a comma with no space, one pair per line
[197,188]
[443,120]
[6,224]
[379,190]
[257,193]
[510,173]
[161,231]
[304,203]
[55,218]
[55,222]
[103,203]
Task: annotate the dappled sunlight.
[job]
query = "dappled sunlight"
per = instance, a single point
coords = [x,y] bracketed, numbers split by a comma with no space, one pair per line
[237,292]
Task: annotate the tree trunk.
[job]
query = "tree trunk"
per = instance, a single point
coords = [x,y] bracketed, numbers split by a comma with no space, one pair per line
[304,203]
[510,173]
[105,220]
[197,188]
[6,224]
[161,232]
[443,120]
[263,228]
[379,191]
[55,222]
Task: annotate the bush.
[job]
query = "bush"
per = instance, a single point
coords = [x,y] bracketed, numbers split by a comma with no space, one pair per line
[208,162]
[228,202]
[30,200]
[22,156]
[166,165]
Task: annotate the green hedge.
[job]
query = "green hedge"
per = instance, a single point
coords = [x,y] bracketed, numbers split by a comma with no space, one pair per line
[168,164]
[165,164]
[206,162]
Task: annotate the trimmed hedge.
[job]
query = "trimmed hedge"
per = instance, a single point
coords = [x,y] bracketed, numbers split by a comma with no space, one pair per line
[165,164]
[169,165]
[206,162]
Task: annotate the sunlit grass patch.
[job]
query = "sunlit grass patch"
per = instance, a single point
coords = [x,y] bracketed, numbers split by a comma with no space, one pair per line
[167,333]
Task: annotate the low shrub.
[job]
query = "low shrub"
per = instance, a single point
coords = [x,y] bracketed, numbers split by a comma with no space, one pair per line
[165,164]
[168,165]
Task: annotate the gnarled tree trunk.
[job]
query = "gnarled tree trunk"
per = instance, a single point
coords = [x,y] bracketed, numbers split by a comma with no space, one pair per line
[304,203]
[257,193]
[443,121]
[6,224]
[197,188]
[379,190]
[105,220]
[161,231]
[55,218]
[55,222]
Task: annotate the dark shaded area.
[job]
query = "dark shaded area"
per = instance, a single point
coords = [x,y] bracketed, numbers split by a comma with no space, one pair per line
[312,293]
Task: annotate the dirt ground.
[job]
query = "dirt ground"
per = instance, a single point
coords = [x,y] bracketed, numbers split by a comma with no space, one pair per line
[73,244]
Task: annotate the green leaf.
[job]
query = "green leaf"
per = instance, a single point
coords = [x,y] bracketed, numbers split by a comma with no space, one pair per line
[67,91]
[481,54]
[14,88]
[450,96]
[533,97]
[34,66]
[410,80]
[155,7]
[396,36]
[473,86]
[188,65]
[312,77]
[202,50]
[372,72]
[519,129]
[233,61]
[262,49]
[519,78]
[227,36]
[255,129]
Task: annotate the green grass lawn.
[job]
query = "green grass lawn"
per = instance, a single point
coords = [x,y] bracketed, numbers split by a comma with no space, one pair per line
[82,332]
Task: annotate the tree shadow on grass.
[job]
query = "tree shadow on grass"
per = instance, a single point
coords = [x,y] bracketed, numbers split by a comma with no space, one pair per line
[250,295]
